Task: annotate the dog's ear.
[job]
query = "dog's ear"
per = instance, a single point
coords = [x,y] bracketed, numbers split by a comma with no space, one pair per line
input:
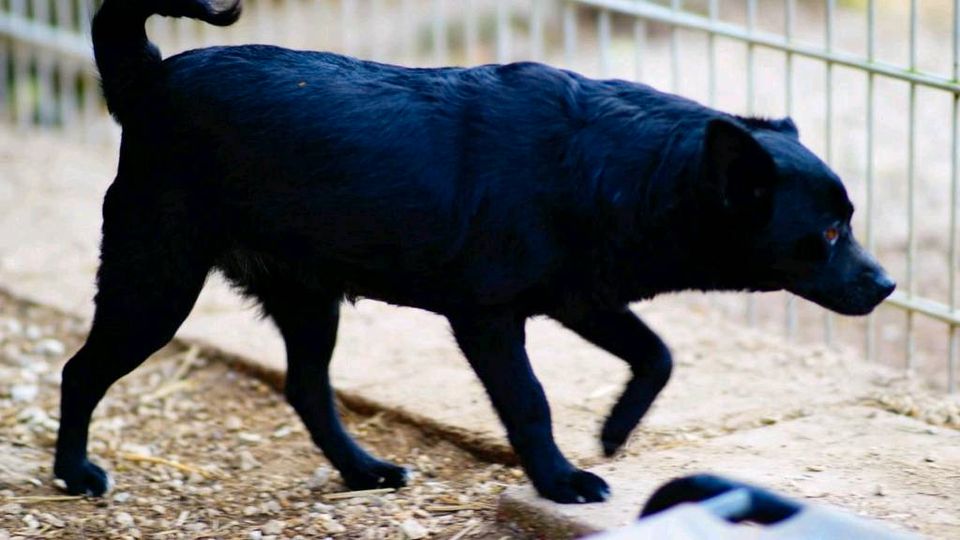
[786,125]
[736,167]
[783,125]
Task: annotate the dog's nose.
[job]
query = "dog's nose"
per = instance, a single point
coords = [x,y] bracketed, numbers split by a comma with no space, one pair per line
[884,284]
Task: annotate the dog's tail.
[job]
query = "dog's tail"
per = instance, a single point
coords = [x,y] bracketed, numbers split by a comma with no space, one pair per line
[125,57]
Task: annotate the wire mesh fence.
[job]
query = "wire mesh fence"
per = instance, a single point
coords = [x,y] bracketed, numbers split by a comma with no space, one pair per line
[883,112]
[908,203]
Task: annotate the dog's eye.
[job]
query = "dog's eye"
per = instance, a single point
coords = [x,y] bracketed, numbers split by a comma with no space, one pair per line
[831,235]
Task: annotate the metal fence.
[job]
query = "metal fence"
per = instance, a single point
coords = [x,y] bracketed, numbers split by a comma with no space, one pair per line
[889,126]
[938,303]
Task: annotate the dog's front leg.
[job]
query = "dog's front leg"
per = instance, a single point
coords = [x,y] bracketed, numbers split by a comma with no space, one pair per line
[623,334]
[494,345]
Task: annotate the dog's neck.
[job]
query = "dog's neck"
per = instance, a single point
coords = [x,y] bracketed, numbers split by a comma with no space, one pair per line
[673,242]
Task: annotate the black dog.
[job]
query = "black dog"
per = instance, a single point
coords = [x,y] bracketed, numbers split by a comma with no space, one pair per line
[488,195]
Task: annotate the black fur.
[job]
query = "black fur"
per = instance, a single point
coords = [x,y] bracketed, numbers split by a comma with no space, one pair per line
[488,195]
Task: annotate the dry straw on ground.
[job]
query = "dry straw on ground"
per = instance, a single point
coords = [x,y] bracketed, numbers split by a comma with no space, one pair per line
[200,451]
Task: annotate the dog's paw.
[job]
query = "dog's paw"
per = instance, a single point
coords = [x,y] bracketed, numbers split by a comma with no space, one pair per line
[84,478]
[575,487]
[614,435]
[378,474]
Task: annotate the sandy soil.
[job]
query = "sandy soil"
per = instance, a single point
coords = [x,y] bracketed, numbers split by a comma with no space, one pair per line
[199,450]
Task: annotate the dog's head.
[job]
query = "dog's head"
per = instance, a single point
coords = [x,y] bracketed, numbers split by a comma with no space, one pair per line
[786,216]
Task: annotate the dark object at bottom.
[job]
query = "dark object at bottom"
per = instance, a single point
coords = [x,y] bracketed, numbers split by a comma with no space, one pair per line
[706,506]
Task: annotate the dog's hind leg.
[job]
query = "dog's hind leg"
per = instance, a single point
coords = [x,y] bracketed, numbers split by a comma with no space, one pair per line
[308,321]
[151,272]
[623,334]
[494,345]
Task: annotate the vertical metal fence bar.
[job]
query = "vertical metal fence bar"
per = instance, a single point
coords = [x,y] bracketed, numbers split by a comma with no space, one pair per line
[713,11]
[471,33]
[751,102]
[85,15]
[751,61]
[603,34]
[536,30]
[789,12]
[6,108]
[639,46]
[23,102]
[91,113]
[911,188]
[789,29]
[828,133]
[408,38]
[569,33]
[675,5]
[870,332]
[46,103]
[503,31]
[439,32]
[90,108]
[952,268]
[67,104]
[952,337]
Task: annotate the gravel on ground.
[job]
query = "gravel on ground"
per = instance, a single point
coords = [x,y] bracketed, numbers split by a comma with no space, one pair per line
[198,449]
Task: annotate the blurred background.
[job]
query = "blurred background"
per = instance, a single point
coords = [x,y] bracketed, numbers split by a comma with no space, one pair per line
[872,85]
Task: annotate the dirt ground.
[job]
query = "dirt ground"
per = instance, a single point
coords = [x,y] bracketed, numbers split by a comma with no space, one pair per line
[199,450]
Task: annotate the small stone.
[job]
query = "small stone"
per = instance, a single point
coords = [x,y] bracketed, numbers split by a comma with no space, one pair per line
[33,332]
[282,432]
[325,508]
[23,392]
[879,491]
[246,461]
[273,526]
[11,509]
[123,519]
[52,520]
[413,530]
[49,347]
[12,327]
[319,478]
[255,535]
[331,525]
[249,437]
[31,521]
[233,423]
[271,507]
[814,468]
[250,511]
[121,497]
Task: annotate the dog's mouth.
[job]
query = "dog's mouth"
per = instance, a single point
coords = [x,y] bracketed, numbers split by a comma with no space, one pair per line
[854,298]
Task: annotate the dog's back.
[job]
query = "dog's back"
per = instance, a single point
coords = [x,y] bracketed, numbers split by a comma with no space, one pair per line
[426,187]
